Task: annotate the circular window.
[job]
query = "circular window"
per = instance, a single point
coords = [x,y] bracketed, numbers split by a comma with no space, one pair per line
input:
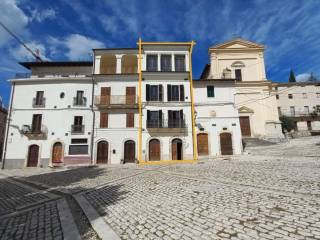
[62,95]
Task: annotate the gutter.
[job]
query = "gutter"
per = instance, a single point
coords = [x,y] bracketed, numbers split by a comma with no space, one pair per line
[93,112]
[8,125]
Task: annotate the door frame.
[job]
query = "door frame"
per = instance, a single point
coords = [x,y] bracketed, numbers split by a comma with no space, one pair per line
[249,115]
[148,150]
[209,143]
[27,154]
[182,147]
[232,142]
[63,148]
[135,148]
[96,152]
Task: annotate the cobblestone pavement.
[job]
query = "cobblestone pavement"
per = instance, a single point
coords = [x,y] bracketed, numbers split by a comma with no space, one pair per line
[271,193]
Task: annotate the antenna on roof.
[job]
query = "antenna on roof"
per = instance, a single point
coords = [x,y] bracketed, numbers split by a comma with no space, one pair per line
[36,55]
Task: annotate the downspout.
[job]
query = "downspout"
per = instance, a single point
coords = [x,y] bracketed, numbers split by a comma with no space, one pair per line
[140,104]
[93,112]
[8,125]
[195,157]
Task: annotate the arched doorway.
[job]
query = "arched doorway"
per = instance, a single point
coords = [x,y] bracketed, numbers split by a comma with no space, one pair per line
[154,150]
[176,149]
[57,152]
[33,156]
[202,144]
[226,143]
[129,151]
[102,152]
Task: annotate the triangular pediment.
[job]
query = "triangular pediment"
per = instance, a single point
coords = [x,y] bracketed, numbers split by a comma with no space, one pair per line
[237,43]
[245,110]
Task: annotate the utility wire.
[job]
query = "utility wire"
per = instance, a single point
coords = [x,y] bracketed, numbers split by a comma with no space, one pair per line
[37,57]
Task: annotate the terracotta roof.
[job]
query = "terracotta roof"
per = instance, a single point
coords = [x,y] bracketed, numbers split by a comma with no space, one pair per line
[56,64]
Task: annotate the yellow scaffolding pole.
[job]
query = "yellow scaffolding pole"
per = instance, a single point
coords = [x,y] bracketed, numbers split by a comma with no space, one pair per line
[194,137]
[140,102]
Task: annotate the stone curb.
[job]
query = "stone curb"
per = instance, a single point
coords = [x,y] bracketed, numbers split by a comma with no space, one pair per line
[69,228]
[103,230]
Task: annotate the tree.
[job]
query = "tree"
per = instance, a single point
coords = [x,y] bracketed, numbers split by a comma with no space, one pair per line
[287,123]
[292,78]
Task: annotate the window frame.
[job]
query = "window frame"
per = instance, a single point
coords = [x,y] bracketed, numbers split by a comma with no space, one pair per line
[208,87]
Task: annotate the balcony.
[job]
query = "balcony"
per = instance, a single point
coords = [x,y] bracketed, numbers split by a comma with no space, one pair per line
[80,102]
[77,129]
[33,132]
[116,101]
[166,125]
[295,113]
[38,103]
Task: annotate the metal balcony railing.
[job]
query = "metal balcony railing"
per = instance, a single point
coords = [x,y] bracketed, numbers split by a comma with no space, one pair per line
[80,101]
[166,123]
[40,102]
[116,100]
[77,129]
[295,113]
[34,131]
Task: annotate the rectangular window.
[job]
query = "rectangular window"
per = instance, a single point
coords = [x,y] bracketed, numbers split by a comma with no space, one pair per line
[290,96]
[77,126]
[175,119]
[36,123]
[152,63]
[179,63]
[306,109]
[103,120]
[39,98]
[277,96]
[210,91]
[154,92]
[78,149]
[154,119]
[79,140]
[292,111]
[175,93]
[304,95]
[130,120]
[166,63]
[238,75]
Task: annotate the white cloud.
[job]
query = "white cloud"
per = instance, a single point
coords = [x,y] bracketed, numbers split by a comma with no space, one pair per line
[303,77]
[21,54]
[14,18]
[74,46]
[40,16]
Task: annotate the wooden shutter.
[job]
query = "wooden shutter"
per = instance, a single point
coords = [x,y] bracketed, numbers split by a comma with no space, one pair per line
[169,92]
[160,92]
[181,93]
[130,120]
[130,95]
[105,93]
[103,120]
[36,122]
[148,92]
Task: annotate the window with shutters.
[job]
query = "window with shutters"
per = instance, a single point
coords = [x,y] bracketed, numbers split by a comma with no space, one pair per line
[179,63]
[39,100]
[77,126]
[175,93]
[103,120]
[175,119]
[166,63]
[36,123]
[130,120]
[154,119]
[152,63]
[210,91]
[154,92]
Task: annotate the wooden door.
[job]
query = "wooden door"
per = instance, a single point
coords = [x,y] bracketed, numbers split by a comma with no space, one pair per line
[202,144]
[130,95]
[33,156]
[57,153]
[176,148]
[102,152]
[105,93]
[154,150]
[245,126]
[129,151]
[226,144]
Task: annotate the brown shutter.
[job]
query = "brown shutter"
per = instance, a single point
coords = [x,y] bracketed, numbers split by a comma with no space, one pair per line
[36,122]
[130,120]
[103,120]
[130,95]
[105,93]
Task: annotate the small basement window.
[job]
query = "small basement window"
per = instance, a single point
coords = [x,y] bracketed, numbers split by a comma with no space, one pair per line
[78,149]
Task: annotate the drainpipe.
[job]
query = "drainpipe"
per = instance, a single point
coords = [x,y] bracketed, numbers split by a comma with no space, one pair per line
[8,125]
[93,112]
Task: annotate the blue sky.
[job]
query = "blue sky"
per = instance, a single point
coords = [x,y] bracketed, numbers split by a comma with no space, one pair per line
[68,29]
